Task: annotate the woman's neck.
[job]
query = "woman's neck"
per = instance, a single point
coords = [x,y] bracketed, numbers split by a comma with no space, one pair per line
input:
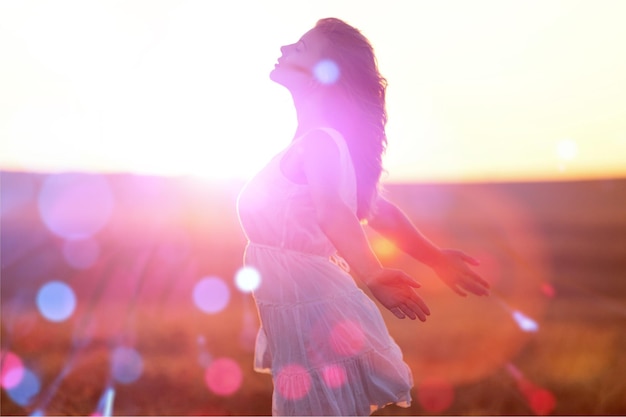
[309,112]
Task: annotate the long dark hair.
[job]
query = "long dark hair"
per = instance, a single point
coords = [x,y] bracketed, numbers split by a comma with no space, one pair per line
[360,114]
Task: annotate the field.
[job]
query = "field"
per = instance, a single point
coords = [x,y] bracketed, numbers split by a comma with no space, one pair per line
[549,340]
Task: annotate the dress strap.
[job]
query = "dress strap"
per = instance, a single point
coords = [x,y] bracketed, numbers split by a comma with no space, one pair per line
[346,163]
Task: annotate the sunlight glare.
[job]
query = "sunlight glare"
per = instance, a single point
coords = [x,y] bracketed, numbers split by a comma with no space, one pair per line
[567,149]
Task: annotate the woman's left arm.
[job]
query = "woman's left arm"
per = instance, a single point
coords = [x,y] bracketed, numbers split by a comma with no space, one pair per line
[452,266]
[320,160]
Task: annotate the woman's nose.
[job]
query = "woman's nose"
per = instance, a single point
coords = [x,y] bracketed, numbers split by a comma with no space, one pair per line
[286,48]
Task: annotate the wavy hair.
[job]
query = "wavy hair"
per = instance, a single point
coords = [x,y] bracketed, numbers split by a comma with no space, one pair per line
[360,113]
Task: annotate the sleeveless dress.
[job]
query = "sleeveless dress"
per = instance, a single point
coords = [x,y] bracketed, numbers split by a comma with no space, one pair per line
[322,339]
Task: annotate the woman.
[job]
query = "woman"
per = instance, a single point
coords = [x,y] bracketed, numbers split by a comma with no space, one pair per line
[322,339]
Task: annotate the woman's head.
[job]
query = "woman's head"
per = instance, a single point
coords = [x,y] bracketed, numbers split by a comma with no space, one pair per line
[336,63]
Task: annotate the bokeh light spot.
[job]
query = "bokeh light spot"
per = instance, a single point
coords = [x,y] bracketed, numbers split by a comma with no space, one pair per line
[293,382]
[81,253]
[334,376]
[224,376]
[56,301]
[211,295]
[548,289]
[347,338]
[11,370]
[247,279]
[126,365]
[75,206]
[326,71]
[27,388]
[541,401]
[435,395]
[17,190]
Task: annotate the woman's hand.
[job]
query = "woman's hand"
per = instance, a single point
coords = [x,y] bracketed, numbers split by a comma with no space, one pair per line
[453,269]
[395,290]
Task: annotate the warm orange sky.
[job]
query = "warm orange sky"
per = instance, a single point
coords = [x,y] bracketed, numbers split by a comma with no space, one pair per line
[481,90]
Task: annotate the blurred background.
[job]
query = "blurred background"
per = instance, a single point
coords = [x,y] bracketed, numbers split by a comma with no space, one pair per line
[128,129]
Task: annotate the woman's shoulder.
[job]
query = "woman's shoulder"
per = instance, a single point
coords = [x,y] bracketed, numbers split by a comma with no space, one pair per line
[321,143]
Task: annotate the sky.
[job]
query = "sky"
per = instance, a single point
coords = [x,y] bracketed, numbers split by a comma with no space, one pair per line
[478,91]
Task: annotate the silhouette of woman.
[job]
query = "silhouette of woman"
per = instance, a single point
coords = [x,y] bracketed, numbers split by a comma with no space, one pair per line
[322,339]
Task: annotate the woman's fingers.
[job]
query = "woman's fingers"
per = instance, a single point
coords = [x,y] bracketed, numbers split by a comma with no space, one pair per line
[397,312]
[469,259]
[475,284]
[480,280]
[407,311]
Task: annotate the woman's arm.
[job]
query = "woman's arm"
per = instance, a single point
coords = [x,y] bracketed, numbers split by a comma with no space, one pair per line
[392,223]
[450,265]
[322,168]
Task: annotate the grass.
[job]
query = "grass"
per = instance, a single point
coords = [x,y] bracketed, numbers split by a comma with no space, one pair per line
[577,361]
[469,358]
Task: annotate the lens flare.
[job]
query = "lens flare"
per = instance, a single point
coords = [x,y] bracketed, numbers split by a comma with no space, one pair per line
[204,356]
[334,376]
[223,377]
[27,388]
[105,404]
[75,206]
[326,71]
[293,382]
[540,400]
[211,295]
[126,365]
[384,248]
[524,322]
[81,253]
[548,289]
[56,301]
[11,370]
[247,279]
[347,338]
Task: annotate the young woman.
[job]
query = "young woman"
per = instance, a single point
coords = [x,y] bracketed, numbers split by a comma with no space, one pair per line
[322,339]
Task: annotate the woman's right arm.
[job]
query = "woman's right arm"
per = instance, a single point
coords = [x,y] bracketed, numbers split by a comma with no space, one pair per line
[452,266]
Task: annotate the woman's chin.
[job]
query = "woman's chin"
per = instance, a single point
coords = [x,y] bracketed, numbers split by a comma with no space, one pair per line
[279,77]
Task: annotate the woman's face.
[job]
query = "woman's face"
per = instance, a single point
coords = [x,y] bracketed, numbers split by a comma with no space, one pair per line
[294,68]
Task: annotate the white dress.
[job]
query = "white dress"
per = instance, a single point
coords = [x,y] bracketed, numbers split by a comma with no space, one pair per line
[322,339]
